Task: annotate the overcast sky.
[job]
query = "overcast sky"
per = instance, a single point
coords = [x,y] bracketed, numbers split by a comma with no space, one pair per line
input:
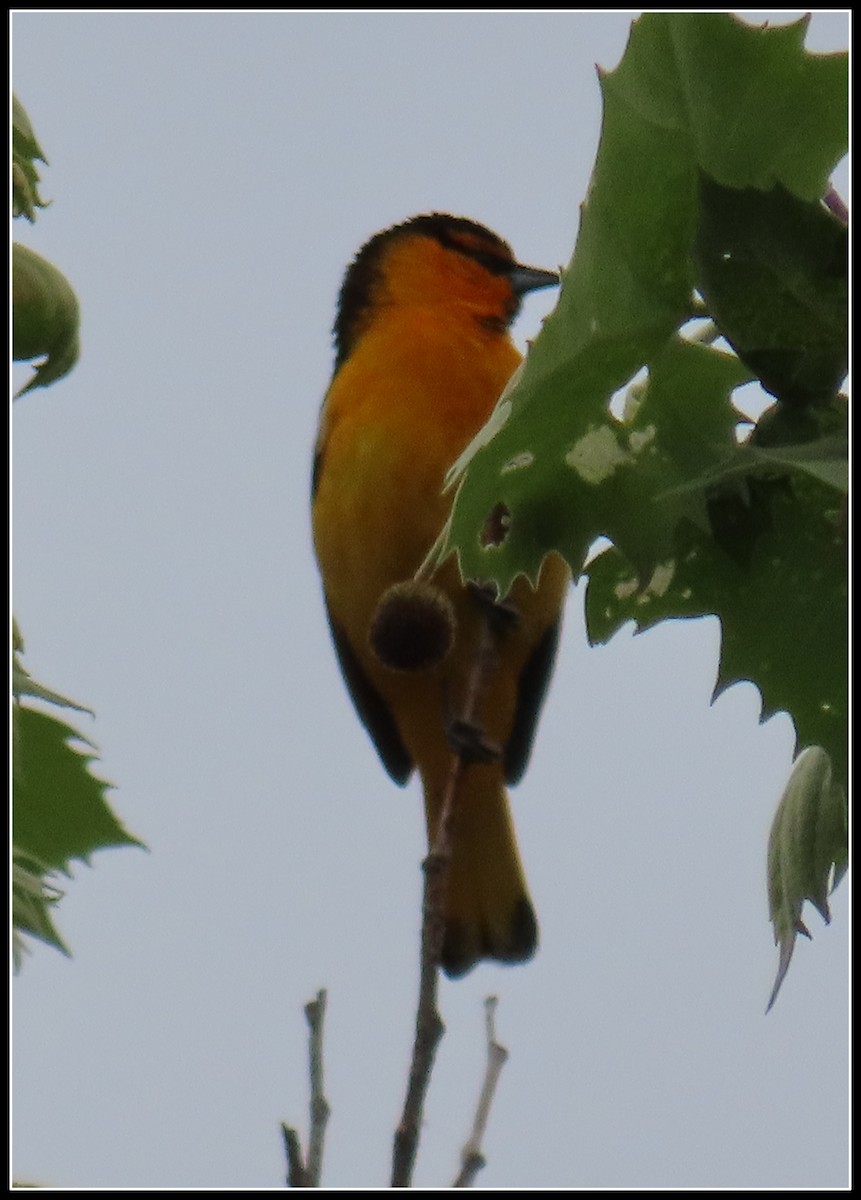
[211,175]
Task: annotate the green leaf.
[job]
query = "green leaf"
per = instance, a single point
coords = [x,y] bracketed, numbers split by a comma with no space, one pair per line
[760,110]
[23,683]
[25,177]
[807,849]
[813,440]
[33,895]
[773,270]
[694,94]
[718,140]
[622,479]
[783,611]
[60,812]
[826,459]
[45,317]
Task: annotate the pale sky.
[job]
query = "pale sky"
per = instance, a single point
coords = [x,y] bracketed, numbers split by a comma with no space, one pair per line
[211,175]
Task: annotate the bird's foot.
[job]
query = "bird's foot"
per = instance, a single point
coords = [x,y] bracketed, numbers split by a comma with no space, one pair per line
[471,743]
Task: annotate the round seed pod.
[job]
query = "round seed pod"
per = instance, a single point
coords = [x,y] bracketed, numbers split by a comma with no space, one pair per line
[413,627]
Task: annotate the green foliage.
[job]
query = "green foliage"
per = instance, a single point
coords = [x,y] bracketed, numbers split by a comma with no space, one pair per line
[59,811]
[45,317]
[25,177]
[782,611]
[772,271]
[806,847]
[33,894]
[717,145]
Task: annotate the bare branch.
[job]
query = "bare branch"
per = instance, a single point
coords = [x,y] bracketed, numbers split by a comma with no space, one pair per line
[293,1150]
[299,1172]
[472,1159]
[429,1025]
[314,1012]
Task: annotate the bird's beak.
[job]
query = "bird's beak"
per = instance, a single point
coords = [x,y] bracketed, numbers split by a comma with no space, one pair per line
[529,279]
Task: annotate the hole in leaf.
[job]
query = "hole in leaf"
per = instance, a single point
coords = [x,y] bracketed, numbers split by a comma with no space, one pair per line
[496,526]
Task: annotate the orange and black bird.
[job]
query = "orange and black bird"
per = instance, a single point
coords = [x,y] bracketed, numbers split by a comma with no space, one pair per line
[422,354]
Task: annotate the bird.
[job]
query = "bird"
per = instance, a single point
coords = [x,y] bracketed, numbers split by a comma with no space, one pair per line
[423,351]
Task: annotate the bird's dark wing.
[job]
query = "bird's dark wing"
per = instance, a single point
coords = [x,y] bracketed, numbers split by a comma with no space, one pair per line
[531,689]
[372,708]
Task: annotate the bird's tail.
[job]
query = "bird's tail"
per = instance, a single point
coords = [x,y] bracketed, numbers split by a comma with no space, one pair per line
[488,913]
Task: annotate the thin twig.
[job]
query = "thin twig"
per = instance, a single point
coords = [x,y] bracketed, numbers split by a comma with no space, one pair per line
[429,1025]
[472,1159]
[319,1106]
[293,1150]
[302,1173]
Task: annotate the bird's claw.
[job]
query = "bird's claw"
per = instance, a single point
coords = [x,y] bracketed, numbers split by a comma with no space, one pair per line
[471,743]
